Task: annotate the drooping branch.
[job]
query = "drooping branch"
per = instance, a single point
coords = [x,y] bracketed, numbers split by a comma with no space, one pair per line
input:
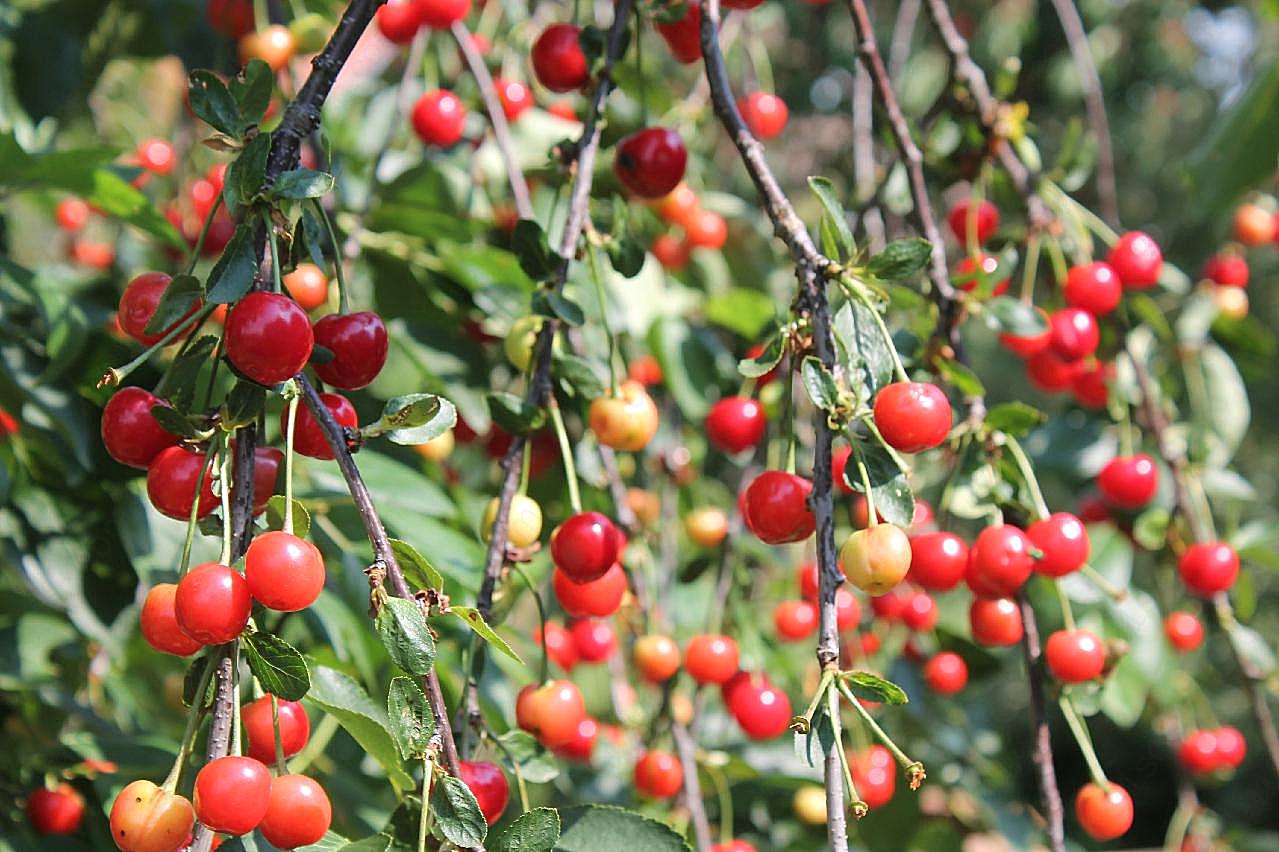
[1041,739]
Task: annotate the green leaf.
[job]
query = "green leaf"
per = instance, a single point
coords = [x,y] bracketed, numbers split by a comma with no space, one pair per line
[820,384]
[180,385]
[554,304]
[900,260]
[1227,410]
[585,827]
[534,831]
[1015,317]
[297,184]
[277,665]
[252,92]
[412,723]
[594,42]
[457,815]
[403,630]
[472,618]
[528,241]
[514,414]
[813,746]
[741,310]
[243,405]
[232,276]
[330,842]
[961,378]
[246,173]
[834,211]
[626,255]
[766,360]
[178,298]
[688,364]
[191,682]
[275,515]
[1150,528]
[343,698]
[405,412]
[1014,418]
[417,569]
[894,500]
[1253,647]
[1241,150]
[175,423]
[213,103]
[579,374]
[536,763]
[862,349]
[872,687]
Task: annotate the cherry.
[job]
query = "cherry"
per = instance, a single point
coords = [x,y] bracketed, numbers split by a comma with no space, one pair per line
[438,118]
[762,711]
[564,111]
[553,712]
[839,469]
[650,162]
[441,447]
[982,220]
[307,284]
[711,658]
[156,156]
[160,624]
[212,603]
[775,507]
[806,576]
[1137,260]
[920,613]
[1094,287]
[876,559]
[938,560]
[1227,269]
[1231,302]
[232,794]
[268,337]
[1073,333]
[523,520]
[172,480]
[308,437]
[809,804]
[706,526]
[684,36]
[765,115]
[71,214]
[999,562]
[1091,387]
[890,605]
[489,786]
[795,620]
[1129,482]
[559,645]
[874,775]
[995,621]
[298,812]
[1050,372]
[1208,568]
[558,61]
[706,229]
[1184,631]
[585,546]
[600,598]
[595,640]
[442,14]
[92,254]
[657,657]
[1198,752]
[266,469]
[848,612]
[1232,748]
[673,254]
[1253,225]
[1103,814]
[130,433]
[624,422]
[658,775]
[1075,656]
[1064,542]
[285,573]
[679,206]
[399,20]
[259,727]
[514,96]
[912,416]
[137,306]
[145,818]
[736,424]
[359,346]
[275,45]
[582,744]
[734,845]
[969,273]
[232,18]
[56,811]
[946,673]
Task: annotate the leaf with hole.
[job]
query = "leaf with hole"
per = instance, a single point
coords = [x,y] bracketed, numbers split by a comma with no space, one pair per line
[412,723]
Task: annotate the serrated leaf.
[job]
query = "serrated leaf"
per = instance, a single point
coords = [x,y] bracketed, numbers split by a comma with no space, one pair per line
[894,499]
[472,618]
[298,184]
[404,632]
[412,723]
[770,357]
[213,103]
[579,374]
[900,260]
[457,815]
[862,349]
[528,242]
[820,384]
[1015,317]
[585,827]
[277,665]
[834,211]
[872,687]
[536,763]
[536,830]
[514,414]
[182,294]
[340,696]
[252,92]
[417,569]
[232,275]
[1014,418]
[275,515]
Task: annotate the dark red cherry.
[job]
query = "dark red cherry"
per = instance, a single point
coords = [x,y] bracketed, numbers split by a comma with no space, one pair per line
[1228,269]
[308,437]
[130,432]
[1129,482]
[268,337]
[684,36]
[585,546]
[776,507]
[267,462]
[359,346]
[982,220]
[736,424]
[1073,333]
[651,162]
[1137,260]
[172,480]
[1094,287]
[558,61]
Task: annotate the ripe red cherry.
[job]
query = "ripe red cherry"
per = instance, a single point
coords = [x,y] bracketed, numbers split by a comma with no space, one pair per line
[765,115]
[284,572]
[144,818]
[585,546]
[1027,345]
[212,603]
[1073,333]
[848,612]
[1227,269]
[1050,372]
[1184,631]
[912,416]
[298,812]
[160,624]
[130,433]
[734,845]
[232,794]
[442,14]
[762,710]
[489,786]
[266,469]
[706,229]
[1198,752]
[1232,748]
[937,560]
[795,620]
[399,20]
[839,469]
[138,304]
[600,597]
[1091,387]
[650,162]
[946,673]
[920,613]
[874,775]
[983,220]
[1137,260]
[551,712]
[1075,656]
[995,621]
[806,576]
[259,728]
[438,118]
[968,277]
[999,562]
[1094,287]
[658,775]
[736,424]
[711,658]
[359,346]
[56,811]
[1103,814]
[92,254]
[890,605]
[582,744]
[684,36]
[71,214]
[673,254]
[268,337]
[657,657]
[308,437]
[515,98]
[172,480]
[776,507]
[156,155]
[1208,568]
[559,645]
[558,61]
[595,640]
[1064,542]
[1129,482]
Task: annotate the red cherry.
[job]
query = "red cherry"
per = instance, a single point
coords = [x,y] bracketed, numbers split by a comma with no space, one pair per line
[558,61]
[298,812]
[765,115]
[999,562]
[1129,482]
[806,576]
[1232,748]
[595,640]
[848,612]
[559,645]
[259,728]
[1184,631]
[995,621]
[1091,387]
[946,673]
[658,775]
[921,613]
[839,468]
[552,712]
[1026,346]
[776,507]
[438,118]
[268,337]
[733,846]
[600,597]
[1227,269]
[489,786]
[874,775]
[968,277]
[359,346]
[160,624]
[232,794]
[56,811]
[564,110]
[1137,260]
[399,20]
[138,304]
[762,711]
[983,220]
[580,746]
[1073,333]
[157,156]
[937,560]
[1104,814]
[684,37]
[172,480]
[1064,542]
[890,605]
[706,229]
[671,253]
[585,546]
[284,572]
[71,214]
[212,603]
[912,416]
[1094,287]
[1049,372]
[267,462]
[130,432]
[1208,568]
[515,98]
[308,437]
[795,620]
[645,370]
[232,18]
[711,658]
[1198,752]
[92,254]
[657,657]
[736,424]
[1075,656]
[442,14]
[650,162]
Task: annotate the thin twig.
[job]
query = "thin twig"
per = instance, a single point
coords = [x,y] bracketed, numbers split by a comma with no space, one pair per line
[1042,753]
[903,32]
[686,751]
[865,182]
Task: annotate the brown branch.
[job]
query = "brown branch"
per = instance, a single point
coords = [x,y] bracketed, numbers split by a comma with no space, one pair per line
[865,184]
[686,751]
[903,32]
[1041,738]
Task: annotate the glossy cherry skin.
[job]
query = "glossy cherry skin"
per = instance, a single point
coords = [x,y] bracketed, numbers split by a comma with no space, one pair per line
[1064,542]
[298,812]
[627,421]
[999,562]
[232,794]
[711,658]
[920,613]
[172,480]
[130,432]
[1104,814]
[657,657]
[399,20]
[359,345]
[1129,482]
[160,623]
[1227,269]
[1075,656]
[995,622]
[559,645]
[795,620]
[285,573]
[599,598]
[983,219]
[558,61]
[144,818]
[651,162]
[1094,287]
[1137,260]
[1049,372]
[1185,632]
[765,115]
[1208,568]
[212,603]
[762,710]
[308,437]
[736,424]
[938,560]
[1073,333]
[582,744]
[707,229]
[969,274]
[138,304]
[551,712]
[776,507]
[585,546]
[442,14]
[268,337]
[875,775]
[1091,387]
[684,36]
[912,416]
[595,640]
[1232,748]
[515,98]
[1197,752]
[308,285]
[489,786]
[438,118]
[259,728]
[267,462]
[156,155]
[658,775]
[57,811]
[1028,345]
[946,673]
[876,559]
[71,214]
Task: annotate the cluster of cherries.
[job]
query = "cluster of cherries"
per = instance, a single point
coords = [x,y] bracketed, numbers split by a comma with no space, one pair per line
[1255,223]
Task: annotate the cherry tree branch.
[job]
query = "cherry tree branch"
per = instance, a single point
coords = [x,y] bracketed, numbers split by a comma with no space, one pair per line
[903,32]
[1032,651]
[687,752]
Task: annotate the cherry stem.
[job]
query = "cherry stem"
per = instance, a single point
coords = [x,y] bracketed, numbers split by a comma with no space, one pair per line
[725,796]
[116,375]
[288,461]
[1099,580]
[1027,474]
[1032,267]
[193,519]
[832,708]
[280,762]
[204,232]
[1082,737]
[188,733]
[592,255]
[343,305]
[872,516]
[226,505]
[1067,615]
[566,452]
[1091,219]
[275,251]
[854,290]
[544,669]
[424,819]
[911,766]
[869,421]
[1057,259]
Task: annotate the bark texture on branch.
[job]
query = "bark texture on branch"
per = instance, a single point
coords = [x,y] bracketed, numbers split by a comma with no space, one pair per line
[1041,738]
